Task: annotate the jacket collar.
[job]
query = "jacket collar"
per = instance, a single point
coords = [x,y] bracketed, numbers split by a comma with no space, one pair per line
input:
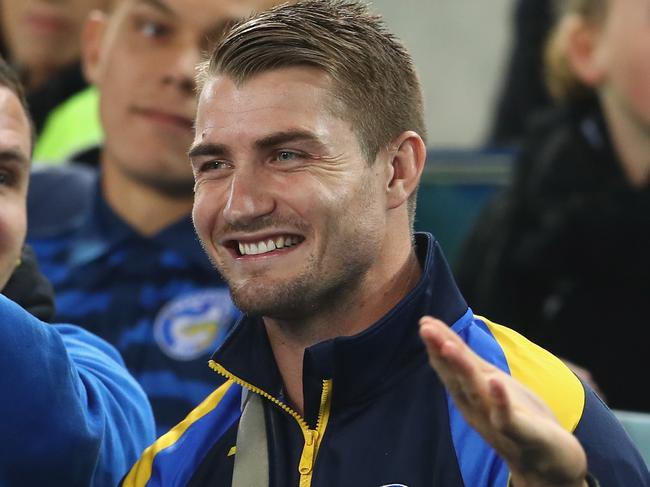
[360,366]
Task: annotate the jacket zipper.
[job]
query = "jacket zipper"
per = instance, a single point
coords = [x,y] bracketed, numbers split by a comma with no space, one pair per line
[312,437]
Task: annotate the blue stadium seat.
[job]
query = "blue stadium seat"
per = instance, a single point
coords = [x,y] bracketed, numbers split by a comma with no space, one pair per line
[637,426]
[454,187]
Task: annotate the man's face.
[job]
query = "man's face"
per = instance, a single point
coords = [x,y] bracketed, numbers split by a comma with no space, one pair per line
[45,34]
[14,175]
[143,57]
[285,205]
[623,54]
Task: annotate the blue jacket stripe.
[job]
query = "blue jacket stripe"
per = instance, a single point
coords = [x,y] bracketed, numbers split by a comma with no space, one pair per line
[175,465]
[479,464]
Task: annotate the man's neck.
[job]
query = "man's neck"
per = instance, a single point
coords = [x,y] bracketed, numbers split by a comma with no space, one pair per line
[631,142]
[357,312]
[144,208]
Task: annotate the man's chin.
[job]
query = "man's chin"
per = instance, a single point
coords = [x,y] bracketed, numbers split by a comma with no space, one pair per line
[283,302]
[176,188]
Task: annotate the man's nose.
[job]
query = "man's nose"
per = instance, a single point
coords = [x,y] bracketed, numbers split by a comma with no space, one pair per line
[181,70]
[248,198]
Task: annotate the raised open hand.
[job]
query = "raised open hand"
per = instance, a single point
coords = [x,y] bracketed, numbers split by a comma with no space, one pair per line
[510,417]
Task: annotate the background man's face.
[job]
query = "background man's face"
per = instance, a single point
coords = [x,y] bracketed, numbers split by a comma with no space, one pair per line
[14,175]
[285,205]
[44,32]
[143,60]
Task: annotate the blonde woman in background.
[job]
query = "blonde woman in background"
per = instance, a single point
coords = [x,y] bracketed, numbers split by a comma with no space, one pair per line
[563,254]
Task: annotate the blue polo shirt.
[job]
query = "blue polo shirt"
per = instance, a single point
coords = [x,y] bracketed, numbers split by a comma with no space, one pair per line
[157,299]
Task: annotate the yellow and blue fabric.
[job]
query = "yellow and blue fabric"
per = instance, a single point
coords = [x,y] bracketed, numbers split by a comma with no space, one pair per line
[72,415]
[157,299]
[376,414]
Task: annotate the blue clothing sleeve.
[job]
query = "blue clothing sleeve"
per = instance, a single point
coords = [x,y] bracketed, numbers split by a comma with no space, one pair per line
[71,413]
[611,456]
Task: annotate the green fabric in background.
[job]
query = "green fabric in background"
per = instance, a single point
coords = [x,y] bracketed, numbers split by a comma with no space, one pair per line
[71,128]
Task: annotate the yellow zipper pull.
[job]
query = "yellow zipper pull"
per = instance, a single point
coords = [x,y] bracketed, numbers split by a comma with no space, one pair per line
[307,457]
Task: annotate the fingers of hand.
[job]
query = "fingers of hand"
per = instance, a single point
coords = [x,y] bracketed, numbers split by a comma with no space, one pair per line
[508,415]
[459,368]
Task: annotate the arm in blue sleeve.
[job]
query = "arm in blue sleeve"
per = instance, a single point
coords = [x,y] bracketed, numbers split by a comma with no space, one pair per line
[612,458]
[70,413]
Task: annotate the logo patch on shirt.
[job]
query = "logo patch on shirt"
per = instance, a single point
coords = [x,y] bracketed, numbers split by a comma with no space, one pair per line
[394,485]
[193,324]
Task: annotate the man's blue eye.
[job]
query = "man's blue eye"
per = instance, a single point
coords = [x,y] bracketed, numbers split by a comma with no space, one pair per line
[152,29]
[213,165]
[286,155]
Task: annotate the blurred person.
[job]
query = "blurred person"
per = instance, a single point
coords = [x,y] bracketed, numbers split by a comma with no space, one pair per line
[71,413]
[563,254]
[306,169]
[42,40]
[523,90]
[119,246]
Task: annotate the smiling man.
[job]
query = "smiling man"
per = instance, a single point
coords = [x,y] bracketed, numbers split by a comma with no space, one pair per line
[307,154]
[119,246]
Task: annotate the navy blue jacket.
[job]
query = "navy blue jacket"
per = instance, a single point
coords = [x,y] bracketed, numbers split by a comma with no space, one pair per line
[376,414]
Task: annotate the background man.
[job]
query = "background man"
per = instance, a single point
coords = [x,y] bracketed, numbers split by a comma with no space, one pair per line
[71,414]
[42,40]
[120,249]
[307,155]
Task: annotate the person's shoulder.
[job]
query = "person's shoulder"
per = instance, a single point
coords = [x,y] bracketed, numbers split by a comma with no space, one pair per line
[59,199]
[541,371]
[611,455]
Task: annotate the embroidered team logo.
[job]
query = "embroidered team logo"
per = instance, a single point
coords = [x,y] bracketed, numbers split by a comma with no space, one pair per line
[194,324]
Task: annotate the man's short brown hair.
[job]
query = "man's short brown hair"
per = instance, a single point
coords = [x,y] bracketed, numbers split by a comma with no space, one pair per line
[374,83]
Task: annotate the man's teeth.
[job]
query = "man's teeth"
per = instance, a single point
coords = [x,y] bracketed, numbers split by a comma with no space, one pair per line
[264,246]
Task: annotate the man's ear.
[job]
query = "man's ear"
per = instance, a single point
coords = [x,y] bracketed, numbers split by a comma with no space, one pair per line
[92,37]
[584,51]
[407,155]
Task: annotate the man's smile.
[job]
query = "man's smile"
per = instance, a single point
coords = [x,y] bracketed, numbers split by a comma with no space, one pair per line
[263,245]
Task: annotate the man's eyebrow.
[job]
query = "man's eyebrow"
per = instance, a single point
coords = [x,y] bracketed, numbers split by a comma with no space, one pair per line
[286,137]
[158,5]
[14,156]
[207,149]
[272,140]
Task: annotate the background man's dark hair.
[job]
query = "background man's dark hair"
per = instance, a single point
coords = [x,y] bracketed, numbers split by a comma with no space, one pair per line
[374,84]
[9,79]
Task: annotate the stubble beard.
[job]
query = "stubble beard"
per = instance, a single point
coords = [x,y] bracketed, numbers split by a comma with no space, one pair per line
[315,291]
[328,283]
[303,297]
